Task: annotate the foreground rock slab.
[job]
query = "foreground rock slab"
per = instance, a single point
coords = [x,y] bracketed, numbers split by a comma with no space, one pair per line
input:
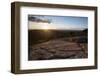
[58,49]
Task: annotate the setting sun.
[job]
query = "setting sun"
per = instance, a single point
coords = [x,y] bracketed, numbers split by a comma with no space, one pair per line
[45,27]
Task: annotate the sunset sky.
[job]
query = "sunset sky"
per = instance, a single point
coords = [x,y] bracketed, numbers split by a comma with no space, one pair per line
[57,22]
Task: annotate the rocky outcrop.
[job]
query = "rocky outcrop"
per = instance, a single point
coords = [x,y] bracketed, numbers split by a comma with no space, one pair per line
[62,48]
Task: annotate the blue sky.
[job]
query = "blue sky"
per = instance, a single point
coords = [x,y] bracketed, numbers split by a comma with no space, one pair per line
[66,21]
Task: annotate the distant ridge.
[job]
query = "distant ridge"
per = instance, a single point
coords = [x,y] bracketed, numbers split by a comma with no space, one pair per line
[85,30]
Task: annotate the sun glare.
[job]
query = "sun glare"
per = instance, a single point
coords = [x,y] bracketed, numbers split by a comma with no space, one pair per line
[45,27]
